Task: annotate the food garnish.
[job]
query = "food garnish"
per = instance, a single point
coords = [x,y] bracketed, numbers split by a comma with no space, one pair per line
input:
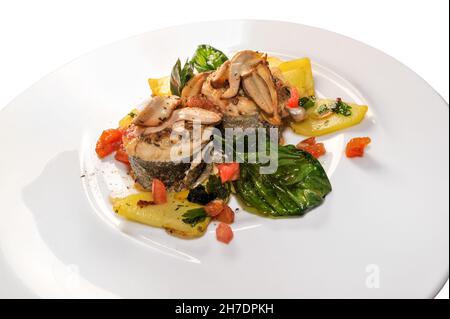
[228,172]
[226,215]
[224,233]
[159,192]
[312,147]
[356,146]
[194,216]
[180,76]
[207,58]
[215,207]
[109,142]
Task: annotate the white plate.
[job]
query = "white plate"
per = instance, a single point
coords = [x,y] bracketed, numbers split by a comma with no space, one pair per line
[383,232]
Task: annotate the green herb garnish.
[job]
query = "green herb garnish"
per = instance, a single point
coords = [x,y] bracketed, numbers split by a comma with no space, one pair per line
[207,58]
[342,108]
[324,108]
[132,115]
[307,102]
[180,76]
[194,216]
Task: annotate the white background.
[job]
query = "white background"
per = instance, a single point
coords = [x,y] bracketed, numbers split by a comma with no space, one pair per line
[36,37]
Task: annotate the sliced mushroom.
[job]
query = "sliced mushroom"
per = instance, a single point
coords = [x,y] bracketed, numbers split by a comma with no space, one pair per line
[241,105]
[194,85]
[241,65]
[205,117]
[189,114]
[157,110]
[213,94]
[219,77]
[264,72]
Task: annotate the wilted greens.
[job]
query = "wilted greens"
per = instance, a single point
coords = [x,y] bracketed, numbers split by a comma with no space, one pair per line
[299,184]
[214,189]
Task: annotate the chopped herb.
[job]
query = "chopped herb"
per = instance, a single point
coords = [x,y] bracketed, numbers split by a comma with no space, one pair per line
[194,216]
[132,115]
[307,102]
[324,108]
[342,108]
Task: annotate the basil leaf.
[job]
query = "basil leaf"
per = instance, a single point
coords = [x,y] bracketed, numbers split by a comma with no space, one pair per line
[194,216]
[299,184]
[207,58]
[180,76]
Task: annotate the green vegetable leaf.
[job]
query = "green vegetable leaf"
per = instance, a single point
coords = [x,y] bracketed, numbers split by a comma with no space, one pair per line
[342,108]
[307,102]
[180,76]
[207,58]
[214,189]
[217,189]
[299,184]
[194,216]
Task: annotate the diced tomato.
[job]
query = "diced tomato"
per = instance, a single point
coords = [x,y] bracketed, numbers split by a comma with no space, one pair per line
[293,100]
[109,142]
[356,146]
[308,141]
[226,215]
[309,145]
[122,156]
[215,207]
[159,192]
[229,172]
[224,233]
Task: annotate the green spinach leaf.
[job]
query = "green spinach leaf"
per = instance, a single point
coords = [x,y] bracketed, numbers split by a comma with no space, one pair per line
[299,184]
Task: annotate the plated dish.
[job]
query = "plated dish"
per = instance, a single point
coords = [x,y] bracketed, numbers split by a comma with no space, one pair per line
[386,216]
[213,129]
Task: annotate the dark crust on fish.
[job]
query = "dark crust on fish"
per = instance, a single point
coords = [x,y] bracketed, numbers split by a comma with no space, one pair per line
[173,175]
[244,122]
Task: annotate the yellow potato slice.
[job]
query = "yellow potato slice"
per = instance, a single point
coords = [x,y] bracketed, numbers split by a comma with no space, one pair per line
[274,62]
[128,119]
[298,73]
[316,126]
[167,216]
[160,87]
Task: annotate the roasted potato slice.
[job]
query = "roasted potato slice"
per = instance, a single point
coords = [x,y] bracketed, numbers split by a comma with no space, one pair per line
[139,208]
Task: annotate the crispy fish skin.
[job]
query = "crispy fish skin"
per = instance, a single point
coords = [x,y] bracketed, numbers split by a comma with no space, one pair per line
[244,122]
[175,176]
